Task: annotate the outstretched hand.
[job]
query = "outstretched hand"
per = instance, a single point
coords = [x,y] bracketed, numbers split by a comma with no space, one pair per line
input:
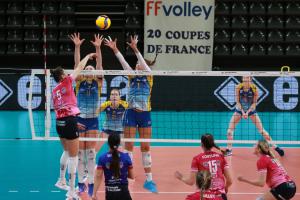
[97,40]
[110,43]
[133,42]
[75,37]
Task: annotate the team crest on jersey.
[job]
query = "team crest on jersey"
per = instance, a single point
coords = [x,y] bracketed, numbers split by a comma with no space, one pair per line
[63,90]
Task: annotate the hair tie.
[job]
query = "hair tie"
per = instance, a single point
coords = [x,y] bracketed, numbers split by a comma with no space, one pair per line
[115,147]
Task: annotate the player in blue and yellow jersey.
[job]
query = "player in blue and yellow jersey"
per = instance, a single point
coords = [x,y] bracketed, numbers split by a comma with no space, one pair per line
[88,91]
[116,167]
[138,115]
[246,99]
[114,111]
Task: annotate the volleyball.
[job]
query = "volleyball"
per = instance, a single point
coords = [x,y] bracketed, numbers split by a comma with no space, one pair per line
[103,22]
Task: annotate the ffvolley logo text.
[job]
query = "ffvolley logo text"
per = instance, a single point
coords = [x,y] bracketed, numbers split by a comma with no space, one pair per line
[226,92]
[179,9]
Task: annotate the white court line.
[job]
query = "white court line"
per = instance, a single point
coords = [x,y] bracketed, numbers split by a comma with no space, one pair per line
[13,191]
[55,191]
[230,193]
[34,191]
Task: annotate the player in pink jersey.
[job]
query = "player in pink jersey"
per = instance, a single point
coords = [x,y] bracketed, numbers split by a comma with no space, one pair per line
[65,106]
[213,162]
[271,172]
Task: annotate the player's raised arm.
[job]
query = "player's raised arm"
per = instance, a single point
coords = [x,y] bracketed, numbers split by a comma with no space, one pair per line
[82,64]
[141,60]
[112,44]
[75,37]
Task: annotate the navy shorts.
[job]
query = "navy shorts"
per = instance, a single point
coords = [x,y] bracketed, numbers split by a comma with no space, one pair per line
[117,193]
[240,112]
[89,123]
[134,118]
[285,190]
[109,132]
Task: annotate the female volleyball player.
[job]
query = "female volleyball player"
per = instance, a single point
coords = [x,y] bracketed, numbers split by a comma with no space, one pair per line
[215,163]
[271,172]
[246,99]
[66,110]
[203,182]
[114,110]
[116,167]
[88,91]
[138,113]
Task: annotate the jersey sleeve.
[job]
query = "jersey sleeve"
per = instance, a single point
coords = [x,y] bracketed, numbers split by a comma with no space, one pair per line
[194,165]
[129,162]
[124,104]
[104,105]
[100,163]
[225,164]
[262,165]
[123,62]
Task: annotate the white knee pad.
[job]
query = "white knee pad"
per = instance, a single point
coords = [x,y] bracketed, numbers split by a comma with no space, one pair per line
[260,198]
[91,154]
[81,156]
[147,161]
[73,162]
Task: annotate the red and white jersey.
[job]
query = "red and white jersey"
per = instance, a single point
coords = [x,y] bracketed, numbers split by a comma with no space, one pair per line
[276,174]
[207,195]
[216,164]
[64,99]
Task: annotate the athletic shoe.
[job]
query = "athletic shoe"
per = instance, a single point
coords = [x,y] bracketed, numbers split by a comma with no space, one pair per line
[81,188]
[61,184]
[91,189]
[72,196]
[228,152]
[151,186]
[279,151]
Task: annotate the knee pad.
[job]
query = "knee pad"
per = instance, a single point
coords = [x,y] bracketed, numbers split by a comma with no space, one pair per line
[73,162]
[91,154]
[260,198]
[81,156]
[147,161]
[230,135]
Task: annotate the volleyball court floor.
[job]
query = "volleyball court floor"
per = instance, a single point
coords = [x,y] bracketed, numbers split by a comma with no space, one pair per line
[29,169]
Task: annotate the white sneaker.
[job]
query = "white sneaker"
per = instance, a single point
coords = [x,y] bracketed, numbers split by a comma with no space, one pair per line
[72,196]
[61,184]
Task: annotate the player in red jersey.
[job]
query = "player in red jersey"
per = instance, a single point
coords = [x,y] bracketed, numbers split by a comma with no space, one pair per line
[213,162]
[203,182]
[271,172]
[66,110]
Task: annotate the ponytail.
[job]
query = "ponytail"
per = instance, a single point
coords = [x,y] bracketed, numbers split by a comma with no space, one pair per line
[151,63]
[208,142]
[114,142]
[203,181]
[115,163]
[264,147]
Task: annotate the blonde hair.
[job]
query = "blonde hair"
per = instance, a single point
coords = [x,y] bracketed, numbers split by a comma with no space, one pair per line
[264,148]
[203,181]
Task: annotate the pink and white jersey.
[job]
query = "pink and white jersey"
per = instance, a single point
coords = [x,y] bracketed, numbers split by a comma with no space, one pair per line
[216,164]
[207,195]
[64,99]
[276,174]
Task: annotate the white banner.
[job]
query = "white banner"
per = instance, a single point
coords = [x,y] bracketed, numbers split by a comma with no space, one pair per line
[181,32]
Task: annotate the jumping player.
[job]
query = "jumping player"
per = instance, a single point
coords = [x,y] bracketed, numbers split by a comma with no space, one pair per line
[66,110]
[215,163]
[138,115]
[271,172]
[246,99]
[88,91]
[116,167]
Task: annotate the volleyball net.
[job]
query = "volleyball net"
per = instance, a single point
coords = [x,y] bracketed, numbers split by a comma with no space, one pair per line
[187,104]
